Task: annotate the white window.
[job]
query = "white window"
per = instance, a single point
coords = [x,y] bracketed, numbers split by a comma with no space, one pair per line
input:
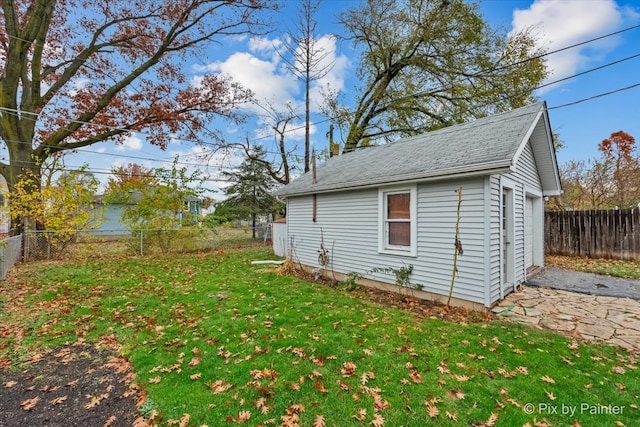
[398,230]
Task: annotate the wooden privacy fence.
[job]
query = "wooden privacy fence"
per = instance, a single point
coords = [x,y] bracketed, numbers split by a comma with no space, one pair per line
[596,234]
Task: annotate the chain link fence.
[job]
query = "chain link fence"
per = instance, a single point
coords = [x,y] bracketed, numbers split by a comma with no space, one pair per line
[71,244]
[10,254]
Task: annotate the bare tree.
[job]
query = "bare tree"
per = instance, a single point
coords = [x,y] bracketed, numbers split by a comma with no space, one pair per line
[306,59]
[280,168]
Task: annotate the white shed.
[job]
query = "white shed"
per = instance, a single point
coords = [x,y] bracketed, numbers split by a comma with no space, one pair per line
[385,209]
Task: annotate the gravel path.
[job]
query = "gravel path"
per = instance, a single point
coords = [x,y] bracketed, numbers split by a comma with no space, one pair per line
[586,283]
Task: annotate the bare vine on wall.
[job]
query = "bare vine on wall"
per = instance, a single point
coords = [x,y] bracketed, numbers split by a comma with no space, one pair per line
[323,253]
[457,246]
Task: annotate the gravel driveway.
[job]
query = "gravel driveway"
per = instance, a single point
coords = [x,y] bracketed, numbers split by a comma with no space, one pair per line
[586,283]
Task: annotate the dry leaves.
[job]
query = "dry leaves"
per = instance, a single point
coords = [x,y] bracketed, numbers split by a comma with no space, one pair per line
[58,400]
[548,379]
[95,400]
[29,403]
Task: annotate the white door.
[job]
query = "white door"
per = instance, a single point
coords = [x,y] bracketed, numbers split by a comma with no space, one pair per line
[528,232]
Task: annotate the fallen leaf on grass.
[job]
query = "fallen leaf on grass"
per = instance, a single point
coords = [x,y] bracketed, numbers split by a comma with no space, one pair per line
[548,379]
[618,370]
[432,410]
[112,419]
[184,421]
[262,405]
[194,361]
[379,403]
[514,402]
[321,388]
[366,377]
[377,421]
[455,394]
[361,415]
[29,403]
[348,369]
[10,384]
[264,373]
[344,386]
[155,380]
[319,421]
[219,386]
[492,420]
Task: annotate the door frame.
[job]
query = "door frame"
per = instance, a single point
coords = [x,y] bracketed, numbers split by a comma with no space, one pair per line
[507,235]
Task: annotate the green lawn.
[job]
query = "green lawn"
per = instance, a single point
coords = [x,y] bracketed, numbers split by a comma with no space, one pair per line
[609,267]
[227,342]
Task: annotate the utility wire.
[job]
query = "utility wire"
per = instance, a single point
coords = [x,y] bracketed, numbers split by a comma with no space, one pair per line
[293,129]
[600,95]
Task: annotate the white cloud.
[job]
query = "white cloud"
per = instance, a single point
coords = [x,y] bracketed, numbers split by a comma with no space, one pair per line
[131,143]
[264,72]
[263,77]
[262,69]
[563,23]
[336,75]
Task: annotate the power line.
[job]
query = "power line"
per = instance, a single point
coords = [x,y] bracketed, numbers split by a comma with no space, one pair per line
[293,129]
[600,95]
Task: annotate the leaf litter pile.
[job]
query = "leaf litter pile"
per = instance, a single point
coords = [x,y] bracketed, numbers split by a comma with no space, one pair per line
[215,341]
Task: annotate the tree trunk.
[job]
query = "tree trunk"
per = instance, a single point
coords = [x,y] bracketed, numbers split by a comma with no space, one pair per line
[29,171]
[253,226]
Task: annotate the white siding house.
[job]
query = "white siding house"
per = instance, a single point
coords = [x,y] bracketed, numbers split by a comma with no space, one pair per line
[393,206]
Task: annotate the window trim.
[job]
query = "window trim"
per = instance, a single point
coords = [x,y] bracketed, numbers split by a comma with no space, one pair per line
[383,233]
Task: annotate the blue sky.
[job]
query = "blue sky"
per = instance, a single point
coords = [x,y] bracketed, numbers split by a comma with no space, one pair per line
[255,63]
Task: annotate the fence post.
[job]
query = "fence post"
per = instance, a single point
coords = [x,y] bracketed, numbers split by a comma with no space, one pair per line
[141,241]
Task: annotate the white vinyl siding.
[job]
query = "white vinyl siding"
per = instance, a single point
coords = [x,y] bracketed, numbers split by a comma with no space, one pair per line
[348,224]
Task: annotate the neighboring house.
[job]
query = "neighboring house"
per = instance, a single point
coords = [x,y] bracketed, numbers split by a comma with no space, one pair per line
[112,223]
[395,205]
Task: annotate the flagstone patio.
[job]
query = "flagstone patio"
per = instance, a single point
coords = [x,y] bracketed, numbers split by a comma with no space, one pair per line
[612,320]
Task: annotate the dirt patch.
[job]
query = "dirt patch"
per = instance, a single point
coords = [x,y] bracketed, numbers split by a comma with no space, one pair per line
[425,308]
[75,385]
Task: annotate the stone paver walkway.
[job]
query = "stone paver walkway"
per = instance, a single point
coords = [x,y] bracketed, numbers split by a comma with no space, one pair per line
[612,320]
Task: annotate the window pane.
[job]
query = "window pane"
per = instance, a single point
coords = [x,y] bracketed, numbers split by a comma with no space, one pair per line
[398,206]
[400,233]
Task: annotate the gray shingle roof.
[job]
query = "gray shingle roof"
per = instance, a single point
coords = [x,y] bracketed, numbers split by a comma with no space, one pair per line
[484,145]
